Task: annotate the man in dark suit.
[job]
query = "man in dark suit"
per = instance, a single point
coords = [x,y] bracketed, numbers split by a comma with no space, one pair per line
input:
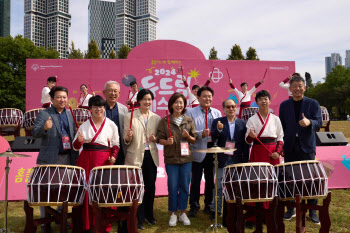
[228,131]
[301,118]
[56,127]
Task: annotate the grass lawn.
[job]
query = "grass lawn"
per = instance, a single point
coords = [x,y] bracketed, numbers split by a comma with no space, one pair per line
[339,208]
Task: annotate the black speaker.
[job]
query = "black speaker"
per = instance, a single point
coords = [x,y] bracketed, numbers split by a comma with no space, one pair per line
[330,139]
[26,144]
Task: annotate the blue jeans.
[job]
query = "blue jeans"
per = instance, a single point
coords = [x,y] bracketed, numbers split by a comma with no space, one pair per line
[179,177]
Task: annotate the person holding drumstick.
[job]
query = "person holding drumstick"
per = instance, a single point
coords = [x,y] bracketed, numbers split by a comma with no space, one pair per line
[265,131]
[177,155]
[203,116]
[45,93]
[140,137]
[285,85]
[301,118]
[244,96]
[132,98]
[193,98]
[99,139]
[84,99]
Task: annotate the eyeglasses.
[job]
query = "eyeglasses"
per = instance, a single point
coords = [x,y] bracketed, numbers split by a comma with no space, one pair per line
[112,91]
[230,106]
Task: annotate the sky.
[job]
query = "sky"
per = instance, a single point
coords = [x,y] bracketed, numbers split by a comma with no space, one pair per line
[304,31]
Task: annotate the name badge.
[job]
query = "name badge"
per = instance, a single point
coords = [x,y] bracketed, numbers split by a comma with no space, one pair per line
[66,143]
[184,149]
[230,145]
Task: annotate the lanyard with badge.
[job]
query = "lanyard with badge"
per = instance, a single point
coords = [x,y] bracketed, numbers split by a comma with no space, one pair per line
[230,144]
[184,145]
[65,139]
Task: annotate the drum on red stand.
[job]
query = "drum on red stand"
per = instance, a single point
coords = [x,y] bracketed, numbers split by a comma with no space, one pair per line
[51,185]
[29,118]
[81,115]
[306,178]
[252,182]
[115,185]
[10,119]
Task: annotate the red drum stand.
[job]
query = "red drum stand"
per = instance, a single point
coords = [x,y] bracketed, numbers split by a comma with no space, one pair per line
[104,216]
[301,209]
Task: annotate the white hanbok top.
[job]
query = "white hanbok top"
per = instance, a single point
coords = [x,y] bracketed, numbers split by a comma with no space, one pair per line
[192,98]
[273,128]
[109,131]
[84,100]
[286,86]
[244,97]
[45,95]
[133,97]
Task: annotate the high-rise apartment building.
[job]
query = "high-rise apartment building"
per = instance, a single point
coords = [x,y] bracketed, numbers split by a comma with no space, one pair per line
[102,28]
[347,59]
[134,23]
[332,61]
[5,12]
[46,23]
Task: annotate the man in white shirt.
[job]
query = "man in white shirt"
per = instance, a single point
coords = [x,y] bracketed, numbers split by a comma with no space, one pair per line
[45,93]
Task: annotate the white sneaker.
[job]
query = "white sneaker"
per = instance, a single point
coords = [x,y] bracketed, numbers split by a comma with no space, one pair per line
[173,220]
[183,218]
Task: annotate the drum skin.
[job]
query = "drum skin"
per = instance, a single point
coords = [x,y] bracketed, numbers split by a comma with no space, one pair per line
[252,182]
[51,185]
[306,178]
[115,185]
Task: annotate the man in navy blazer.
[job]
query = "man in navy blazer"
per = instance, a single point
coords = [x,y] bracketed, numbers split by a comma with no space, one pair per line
[301,118]
[228,131]
[56,127]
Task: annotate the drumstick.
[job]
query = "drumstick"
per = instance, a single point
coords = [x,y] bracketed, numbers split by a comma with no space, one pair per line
[90,87]
[206,117]
[75,120]
[211,75]
[109,148]
[182,71]
[132,113]
[228,74]
[263,145]
[167,117]
[56,80]
[265,73]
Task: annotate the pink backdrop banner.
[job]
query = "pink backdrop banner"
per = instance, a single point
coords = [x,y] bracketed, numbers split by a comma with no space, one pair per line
[155,66]
[335,159]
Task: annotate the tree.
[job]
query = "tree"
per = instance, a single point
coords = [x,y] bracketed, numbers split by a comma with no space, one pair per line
[334,93]
[75,53]
[13,55]
[124,51]
[112,55]
[93,52]
[251,54]
[236,53]
[213,54]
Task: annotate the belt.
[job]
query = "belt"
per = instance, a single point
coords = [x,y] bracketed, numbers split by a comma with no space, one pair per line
[265,141]
[88,146]
[244,105]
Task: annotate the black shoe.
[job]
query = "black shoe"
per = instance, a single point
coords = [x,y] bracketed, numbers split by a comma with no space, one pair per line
[140,226]
[314,218]
[289,215]
[207,210]
[212,215]
[249,224]
[192,213]
[151,221]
